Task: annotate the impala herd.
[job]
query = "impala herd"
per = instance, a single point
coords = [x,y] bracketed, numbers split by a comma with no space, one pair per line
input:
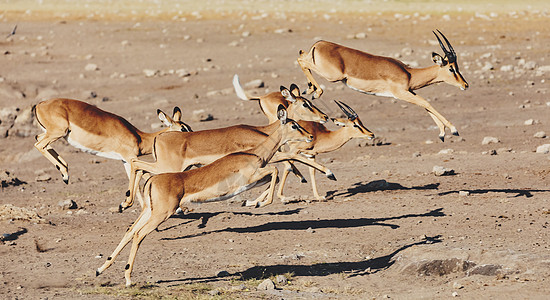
[217,164]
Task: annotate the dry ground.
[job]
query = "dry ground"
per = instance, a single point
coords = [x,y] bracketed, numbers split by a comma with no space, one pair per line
[390,227]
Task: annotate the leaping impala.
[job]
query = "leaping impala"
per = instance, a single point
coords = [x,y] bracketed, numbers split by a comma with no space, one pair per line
[382,76]
[96,131]
[325,141]
[220,180]
[176,151]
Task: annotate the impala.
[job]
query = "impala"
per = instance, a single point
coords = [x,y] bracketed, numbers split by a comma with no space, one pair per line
[382,76]
[220,180]
[93,130]
[302,108]
[325,141]
[176,151]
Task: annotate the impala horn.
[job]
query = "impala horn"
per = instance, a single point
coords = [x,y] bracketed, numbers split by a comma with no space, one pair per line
[352,115]
[449,54]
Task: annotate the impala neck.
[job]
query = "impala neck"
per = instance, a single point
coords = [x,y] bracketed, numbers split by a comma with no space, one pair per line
[330,141]
[271,144]
[147,140]
[423,77]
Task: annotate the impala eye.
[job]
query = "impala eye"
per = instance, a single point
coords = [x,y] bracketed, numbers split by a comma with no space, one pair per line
[294,127]
[452,70]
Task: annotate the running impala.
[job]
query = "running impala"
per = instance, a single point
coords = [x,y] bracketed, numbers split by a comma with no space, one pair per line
[94,130]
[176,151]
[382,76]
[220,180]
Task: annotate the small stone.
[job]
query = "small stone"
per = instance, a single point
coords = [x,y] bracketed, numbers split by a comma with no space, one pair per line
[266,285]
[43,177]
[201,116]
[360,35]
[454,294]
[255,84]
[416,154]
[281,279]
[214,293]
[463,193]
[442,171]
[67,204]
[540,134]
[530,122]
[490,140]
[91,67]
[543,149]
[151,73]
[457,286]
[310,230]
[446,151]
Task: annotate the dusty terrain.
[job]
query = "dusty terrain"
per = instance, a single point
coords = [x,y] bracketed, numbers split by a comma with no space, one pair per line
[390,227]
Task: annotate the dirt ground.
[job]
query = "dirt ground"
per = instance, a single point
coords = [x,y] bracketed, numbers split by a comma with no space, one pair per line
[390,227]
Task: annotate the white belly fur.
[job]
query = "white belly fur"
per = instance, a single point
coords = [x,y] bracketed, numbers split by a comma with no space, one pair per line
[111,155]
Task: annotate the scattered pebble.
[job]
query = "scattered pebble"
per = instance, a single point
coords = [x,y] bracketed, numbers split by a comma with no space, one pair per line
[540,134]
[67,204]
[281,279]
[463,193]
[91,67]
[544,149]
[266,285]
[490,140]
[201,116]
[442,171]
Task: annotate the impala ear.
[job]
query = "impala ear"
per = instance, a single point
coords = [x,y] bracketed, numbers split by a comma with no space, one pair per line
[438,60]
[177,114]
[287,94]
[164,118]
[295,90]
[282,114]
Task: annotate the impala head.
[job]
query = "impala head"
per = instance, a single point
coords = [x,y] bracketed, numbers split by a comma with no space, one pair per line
[292,131]
[352,122]
[174,123]
[300,107]
[448,72]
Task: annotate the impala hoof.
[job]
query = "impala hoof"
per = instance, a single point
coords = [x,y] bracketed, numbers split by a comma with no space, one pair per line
[120,208]
[303,180]
[66,180]
[331,176]
[97,273]
[442,138]
[456,133]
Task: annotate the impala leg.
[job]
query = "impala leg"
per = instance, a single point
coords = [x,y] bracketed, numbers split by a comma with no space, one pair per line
[133,182]
[296,157]
[297,172]
[268,194]
[415,99]
[43,145]
[151,224]
[439,125]
[287,169]
[139,223]
[312,85]
[314,183]
[136,172]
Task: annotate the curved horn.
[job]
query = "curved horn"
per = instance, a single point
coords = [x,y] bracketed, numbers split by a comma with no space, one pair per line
[350,115]
[354,114]
[450,54]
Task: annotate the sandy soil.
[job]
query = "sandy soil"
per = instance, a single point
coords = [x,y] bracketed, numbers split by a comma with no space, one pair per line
[390,227]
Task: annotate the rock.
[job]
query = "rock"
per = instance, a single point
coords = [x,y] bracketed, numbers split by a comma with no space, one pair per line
[310,230]
[507,68]
[91,67]
[214,293]
[43,177]
[446,151]
[7,179]
[463,193]
[266,285]
[542,70]
[151,73]
[490,140]
[486,270]
[540,134]
[457,286]
[439,267]
[281,279]
[531,122]
[487,67]
[416,154]
[67,204]
[360,35]
[201,116]
[543,149]
[442,171]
